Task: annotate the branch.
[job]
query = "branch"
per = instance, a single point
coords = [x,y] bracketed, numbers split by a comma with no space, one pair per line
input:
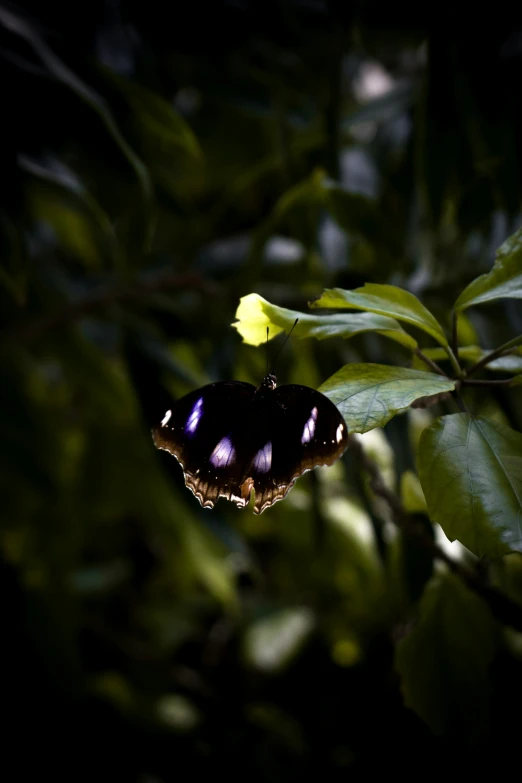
[426,359]
[454,334]
[503,608]
[487,382]
[102,299]
[502,349]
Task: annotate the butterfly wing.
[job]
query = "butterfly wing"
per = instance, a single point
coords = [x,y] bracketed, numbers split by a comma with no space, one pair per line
[202,432]
[296,429]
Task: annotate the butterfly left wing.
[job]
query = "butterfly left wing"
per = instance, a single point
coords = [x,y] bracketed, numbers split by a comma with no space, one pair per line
[203,430]
[297,430]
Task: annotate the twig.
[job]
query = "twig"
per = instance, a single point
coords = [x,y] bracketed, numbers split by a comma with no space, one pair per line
[454,361]
[487,382]
[503,608]
[502,349]
[460,402]
[454,334]
[101,300]
[426,359]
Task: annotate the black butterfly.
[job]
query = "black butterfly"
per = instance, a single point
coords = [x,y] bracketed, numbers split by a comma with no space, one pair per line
[231,438]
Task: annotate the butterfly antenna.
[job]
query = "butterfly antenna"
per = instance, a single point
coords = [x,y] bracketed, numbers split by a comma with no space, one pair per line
[284,343]
[267,356]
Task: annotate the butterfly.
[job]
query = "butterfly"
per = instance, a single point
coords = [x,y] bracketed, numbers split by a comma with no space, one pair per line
[232,438]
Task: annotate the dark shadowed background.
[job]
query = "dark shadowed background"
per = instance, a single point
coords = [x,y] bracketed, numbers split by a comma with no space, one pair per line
[158,162]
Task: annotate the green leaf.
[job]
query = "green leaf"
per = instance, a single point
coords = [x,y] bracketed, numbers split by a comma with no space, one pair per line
[254,314]
[211,565]
[386,300]
[72,227]
[273,641]
[509,363]
[60,193]
[158,118]
[504,280]
[412,496]
[471,473]
[443,663]
[369,395]
[308,192]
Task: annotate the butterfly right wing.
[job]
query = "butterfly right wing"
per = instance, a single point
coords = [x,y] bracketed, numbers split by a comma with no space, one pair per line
[199,431]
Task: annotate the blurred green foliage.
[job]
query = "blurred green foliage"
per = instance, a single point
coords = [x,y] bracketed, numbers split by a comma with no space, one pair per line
[158,164]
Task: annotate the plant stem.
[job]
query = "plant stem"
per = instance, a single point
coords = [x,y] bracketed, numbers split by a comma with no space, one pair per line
[460,402]
[426,359]
[502,607]
[454,334]
[487,382]
[454,362]
[495,354]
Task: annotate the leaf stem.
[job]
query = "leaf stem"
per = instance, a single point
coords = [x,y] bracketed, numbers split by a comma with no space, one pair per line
[495,354]
[487,382]
[454,361]
[426,359]
[458,398]
[454,333]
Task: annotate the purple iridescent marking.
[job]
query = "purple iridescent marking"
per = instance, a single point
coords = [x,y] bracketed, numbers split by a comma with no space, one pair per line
[262,462]
[223,454]
[195,417]
[309,427]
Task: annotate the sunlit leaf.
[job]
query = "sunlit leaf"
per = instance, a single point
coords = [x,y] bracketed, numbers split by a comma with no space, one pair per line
[255,314]
[504,280]
[368,395]
[444,661]
[386,300]
[471,474]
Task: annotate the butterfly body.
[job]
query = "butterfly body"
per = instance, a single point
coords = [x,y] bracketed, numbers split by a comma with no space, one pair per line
[231,438]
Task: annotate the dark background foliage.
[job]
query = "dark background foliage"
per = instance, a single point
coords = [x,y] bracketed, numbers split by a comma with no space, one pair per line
[158,163]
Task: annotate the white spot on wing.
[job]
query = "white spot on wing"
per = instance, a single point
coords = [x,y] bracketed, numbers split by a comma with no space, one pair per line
[339,433]
[166,418]
[263,459]
[223,454]
[309,427]
[195,416]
